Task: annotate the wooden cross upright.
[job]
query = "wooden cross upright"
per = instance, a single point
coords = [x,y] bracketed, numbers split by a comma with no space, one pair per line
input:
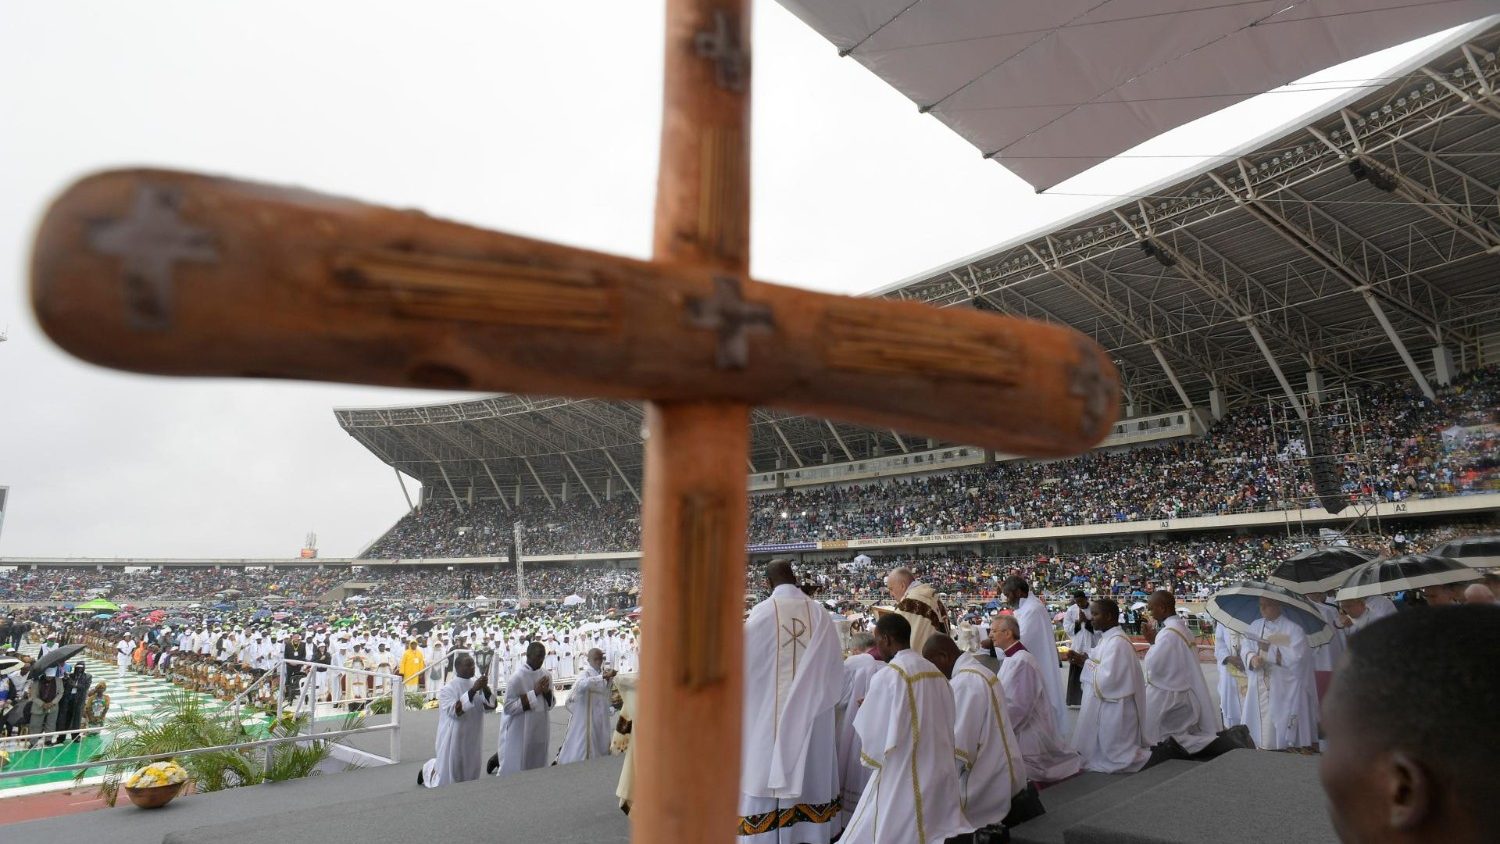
[259,281]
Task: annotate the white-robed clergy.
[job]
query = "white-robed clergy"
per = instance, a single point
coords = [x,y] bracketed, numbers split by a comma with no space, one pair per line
[1046,756]
[990,768]
[1177,699]
[1362,612]
[524,726]
[1231,675]
[859,667]
[462,705]
[1280,708]
[1326,656]
[589,726]
[1037,636]
[1111,734]
[906,728]
[789,783]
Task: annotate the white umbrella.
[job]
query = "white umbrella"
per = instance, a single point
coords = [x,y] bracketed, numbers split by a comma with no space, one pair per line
[573,600]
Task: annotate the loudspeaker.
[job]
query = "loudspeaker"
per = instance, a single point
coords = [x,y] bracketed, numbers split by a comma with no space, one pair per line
[1327,474]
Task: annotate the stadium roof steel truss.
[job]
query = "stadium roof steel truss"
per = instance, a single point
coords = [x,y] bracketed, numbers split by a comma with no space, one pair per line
[492,445]
[1350,245]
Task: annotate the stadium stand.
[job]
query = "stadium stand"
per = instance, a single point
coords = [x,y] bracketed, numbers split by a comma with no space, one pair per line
[1240,466]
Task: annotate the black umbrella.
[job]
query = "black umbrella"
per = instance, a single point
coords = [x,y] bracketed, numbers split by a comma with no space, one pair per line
[56,656]
[1319,569]
[1399,574]
[424,625]
[1472,550]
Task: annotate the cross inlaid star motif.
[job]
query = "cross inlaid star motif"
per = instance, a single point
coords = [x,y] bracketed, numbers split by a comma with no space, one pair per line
[727,312]
[150,241]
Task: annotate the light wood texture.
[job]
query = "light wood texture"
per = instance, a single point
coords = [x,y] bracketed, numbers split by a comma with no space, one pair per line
[274,282]
[693,512]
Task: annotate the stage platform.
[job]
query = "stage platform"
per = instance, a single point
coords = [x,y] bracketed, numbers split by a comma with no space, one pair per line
[1243,796]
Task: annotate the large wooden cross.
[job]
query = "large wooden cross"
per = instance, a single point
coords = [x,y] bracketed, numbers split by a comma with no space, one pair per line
[175,273]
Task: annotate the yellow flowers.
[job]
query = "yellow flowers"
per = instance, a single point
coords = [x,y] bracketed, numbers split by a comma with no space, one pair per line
[157,774]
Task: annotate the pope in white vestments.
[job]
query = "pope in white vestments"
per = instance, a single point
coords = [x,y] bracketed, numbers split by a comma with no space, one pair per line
[789,783]
[589,726]
[462,705]
[1280,707]
[991,770]
[524,727]
[906,728]
[858,669]
[1111,734]
[1177,699]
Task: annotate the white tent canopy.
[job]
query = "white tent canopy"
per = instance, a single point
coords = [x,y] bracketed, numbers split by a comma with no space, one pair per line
[1050,88]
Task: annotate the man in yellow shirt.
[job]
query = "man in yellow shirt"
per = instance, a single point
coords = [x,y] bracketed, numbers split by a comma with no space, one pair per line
[412,664]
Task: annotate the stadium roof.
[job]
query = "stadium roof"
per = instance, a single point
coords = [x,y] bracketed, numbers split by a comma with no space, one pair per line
[1340,244]
[1351,244]
[1051,88]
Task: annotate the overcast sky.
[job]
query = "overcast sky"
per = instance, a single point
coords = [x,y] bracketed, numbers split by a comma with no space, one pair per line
[535,118]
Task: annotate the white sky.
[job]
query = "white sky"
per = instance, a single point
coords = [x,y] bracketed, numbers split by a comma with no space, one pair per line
[535,118]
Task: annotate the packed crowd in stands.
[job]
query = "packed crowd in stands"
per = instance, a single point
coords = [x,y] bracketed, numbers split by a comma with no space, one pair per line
[177,584]
[1190,566]
[1247,462]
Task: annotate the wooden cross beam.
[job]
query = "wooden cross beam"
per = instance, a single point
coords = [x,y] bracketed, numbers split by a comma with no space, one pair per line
[174,273]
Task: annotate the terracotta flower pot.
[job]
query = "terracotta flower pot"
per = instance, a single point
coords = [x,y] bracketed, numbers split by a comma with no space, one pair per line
[154,797]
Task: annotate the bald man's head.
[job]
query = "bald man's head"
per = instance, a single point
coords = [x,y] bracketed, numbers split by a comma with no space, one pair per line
[942,651]
[1162,605]
[596,658]
[898,580]
[780,573]
[1478,593]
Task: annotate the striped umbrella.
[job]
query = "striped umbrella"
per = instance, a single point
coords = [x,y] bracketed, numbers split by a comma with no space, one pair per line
[1478,551]
[1400,574]
[1238,607]
[1319,569]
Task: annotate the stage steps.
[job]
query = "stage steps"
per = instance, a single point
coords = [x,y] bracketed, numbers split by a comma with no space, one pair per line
[1243,796]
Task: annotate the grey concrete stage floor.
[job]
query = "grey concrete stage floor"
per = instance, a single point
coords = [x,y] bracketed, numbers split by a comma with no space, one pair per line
[564,804]
[261,805]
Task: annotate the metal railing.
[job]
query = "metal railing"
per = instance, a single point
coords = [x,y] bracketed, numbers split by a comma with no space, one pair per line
[393,727]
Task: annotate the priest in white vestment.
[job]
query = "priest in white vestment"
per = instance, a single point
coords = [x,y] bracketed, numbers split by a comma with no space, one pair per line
[1111,734]
[1279,707]
[1077,625]
[524,726]
[589,725]
[462,705]
[1028,712]
[859,667]
[1231,675]
[990,768]
[789,782]
[906,728]
[1177,699]
[918,603]
[1039,639]
[1359,613]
